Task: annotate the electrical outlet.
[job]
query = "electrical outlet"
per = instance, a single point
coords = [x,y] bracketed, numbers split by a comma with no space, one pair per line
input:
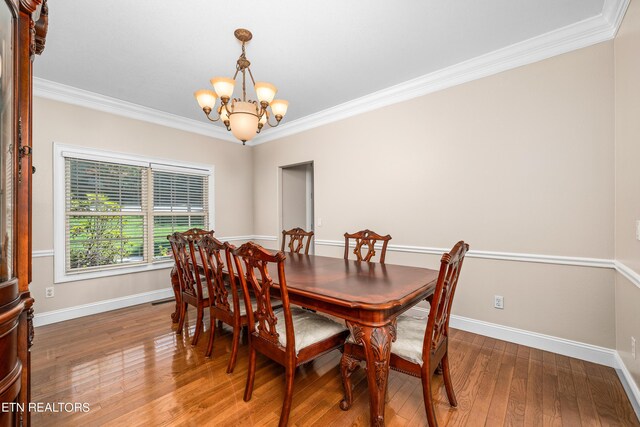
[498,301]
[48,292]
[633,347]
[638,229]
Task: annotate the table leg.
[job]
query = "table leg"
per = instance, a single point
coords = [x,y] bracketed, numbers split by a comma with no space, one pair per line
[175,284]
[376,341]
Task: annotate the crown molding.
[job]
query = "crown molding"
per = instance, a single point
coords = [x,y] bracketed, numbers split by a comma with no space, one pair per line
[585,33]
[83,98]
[581,34]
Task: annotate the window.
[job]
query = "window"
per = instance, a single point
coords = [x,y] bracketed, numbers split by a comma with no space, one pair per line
[180,202]
[114,212]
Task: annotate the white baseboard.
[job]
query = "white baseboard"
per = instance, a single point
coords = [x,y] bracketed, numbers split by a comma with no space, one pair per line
[629,384]
[579,350]
[592,353]
[55,316]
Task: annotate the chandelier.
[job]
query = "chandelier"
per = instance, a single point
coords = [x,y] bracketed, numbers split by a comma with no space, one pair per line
[244,118]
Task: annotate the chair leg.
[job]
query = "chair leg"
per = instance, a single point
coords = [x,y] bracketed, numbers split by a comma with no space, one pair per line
[251,375]
[183,314]
[288,396]
[199,323]
[446,373]
[428,399]
[234,349]
[212,331]
[347,366]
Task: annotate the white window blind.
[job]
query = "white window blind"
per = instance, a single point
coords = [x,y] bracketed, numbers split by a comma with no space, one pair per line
[180,202]
[106,214]
[118,214]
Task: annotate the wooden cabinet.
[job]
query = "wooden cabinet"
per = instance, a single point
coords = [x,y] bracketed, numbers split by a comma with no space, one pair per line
[23,27]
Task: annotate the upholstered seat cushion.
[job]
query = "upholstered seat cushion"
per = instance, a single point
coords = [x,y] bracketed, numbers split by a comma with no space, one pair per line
[243,306]
[409,338]
[309,327]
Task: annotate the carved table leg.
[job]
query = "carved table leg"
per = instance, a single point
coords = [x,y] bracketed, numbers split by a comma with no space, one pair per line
[347,366]
[377,346]
[175,284]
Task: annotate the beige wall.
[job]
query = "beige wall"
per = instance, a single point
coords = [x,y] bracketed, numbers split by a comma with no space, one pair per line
[521,161]
[627,148]
[72,125]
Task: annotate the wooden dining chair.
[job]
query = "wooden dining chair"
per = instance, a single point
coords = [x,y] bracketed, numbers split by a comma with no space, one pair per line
[296,240]
[420,346]
[290,336]
[366,239]
[225,303]
[192,292]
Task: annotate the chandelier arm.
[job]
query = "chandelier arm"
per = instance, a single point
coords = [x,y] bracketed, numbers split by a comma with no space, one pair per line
[269,121]
[209,117]
[236,74]
[251,75]
[227,109]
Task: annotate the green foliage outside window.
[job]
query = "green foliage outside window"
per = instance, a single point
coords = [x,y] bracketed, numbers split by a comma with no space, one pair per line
[97,240]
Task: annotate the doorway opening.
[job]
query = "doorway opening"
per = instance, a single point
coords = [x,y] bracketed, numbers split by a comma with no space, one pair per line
[297,199]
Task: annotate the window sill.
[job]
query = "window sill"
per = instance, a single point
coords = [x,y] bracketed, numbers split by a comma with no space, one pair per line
[117,271]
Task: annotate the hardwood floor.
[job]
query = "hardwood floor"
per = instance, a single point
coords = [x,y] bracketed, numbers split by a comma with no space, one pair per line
[132,369]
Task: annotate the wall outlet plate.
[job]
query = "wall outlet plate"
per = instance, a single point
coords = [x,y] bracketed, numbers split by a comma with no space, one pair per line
[498,302]
[633,347]
[638,229]
[49,292]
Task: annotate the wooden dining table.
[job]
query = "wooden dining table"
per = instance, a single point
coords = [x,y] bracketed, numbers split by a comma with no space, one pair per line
[368,296]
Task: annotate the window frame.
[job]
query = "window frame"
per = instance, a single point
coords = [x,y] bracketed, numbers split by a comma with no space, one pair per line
[62,151]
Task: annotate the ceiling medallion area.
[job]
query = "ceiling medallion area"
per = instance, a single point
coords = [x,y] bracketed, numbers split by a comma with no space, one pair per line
[243,117]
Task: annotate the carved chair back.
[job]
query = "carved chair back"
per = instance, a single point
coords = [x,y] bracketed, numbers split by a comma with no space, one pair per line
[296,240]
[213,264]
[439,314]
[254,275]
[186,267]
[196,233]
[366,239]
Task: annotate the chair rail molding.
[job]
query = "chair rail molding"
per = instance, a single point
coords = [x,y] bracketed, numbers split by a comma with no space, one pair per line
[596,29]
[503,256]
[628,273]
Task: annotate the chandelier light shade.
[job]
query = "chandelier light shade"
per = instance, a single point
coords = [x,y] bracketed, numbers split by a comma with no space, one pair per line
[206,98]
[243,117]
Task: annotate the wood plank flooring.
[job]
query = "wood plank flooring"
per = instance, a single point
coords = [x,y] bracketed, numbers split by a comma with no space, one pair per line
[132,369]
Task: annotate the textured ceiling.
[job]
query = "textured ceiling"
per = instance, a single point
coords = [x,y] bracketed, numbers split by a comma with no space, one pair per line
[156,53]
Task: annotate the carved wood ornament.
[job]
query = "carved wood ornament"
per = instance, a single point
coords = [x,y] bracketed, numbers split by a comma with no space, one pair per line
[210,250]
[366,239]
[41,29]
[255,259]
[296,242]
